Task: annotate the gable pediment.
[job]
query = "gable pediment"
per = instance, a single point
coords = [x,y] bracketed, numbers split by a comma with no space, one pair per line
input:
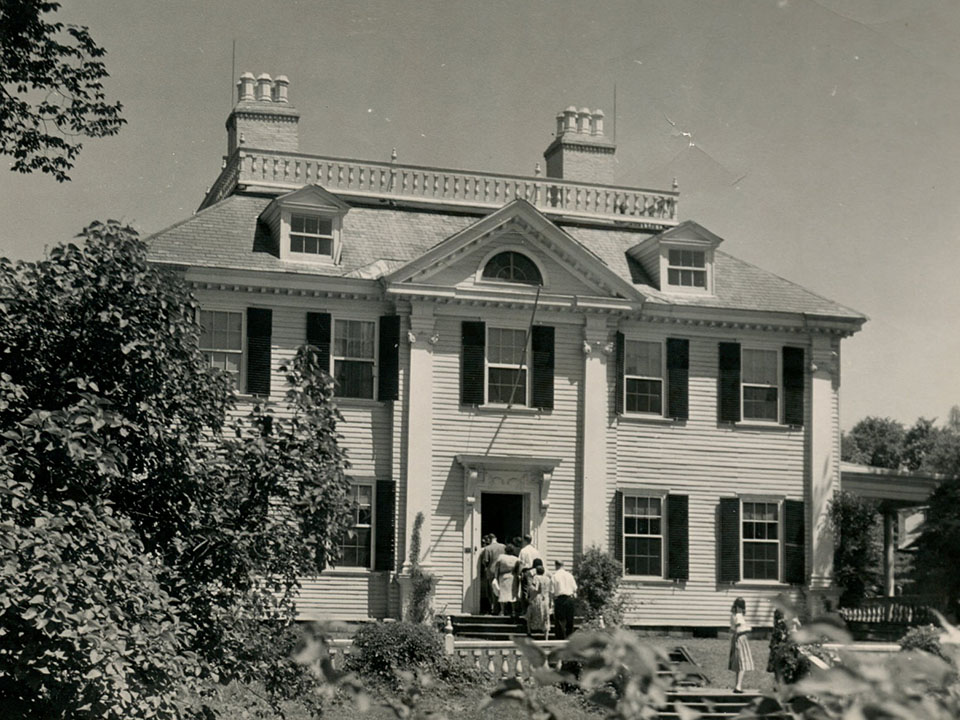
[566,266]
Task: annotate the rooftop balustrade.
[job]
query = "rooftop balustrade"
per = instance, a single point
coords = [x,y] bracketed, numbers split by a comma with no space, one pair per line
[391,183]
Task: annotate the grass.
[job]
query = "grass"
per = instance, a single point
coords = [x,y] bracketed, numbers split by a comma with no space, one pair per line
[713,654]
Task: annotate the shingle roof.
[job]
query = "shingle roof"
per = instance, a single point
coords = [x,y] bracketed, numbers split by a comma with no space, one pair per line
[377,240]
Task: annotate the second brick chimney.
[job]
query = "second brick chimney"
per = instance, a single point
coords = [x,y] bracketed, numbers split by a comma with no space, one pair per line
[580,151]
[263,118]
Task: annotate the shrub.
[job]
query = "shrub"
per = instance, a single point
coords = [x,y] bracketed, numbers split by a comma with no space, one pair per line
[857,549]
[381,649]
[422,583]
[925,637]
[598,579]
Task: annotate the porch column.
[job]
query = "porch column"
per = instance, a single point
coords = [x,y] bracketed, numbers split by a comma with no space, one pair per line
[419,422]
[595,401]
[824,454]
[889,550]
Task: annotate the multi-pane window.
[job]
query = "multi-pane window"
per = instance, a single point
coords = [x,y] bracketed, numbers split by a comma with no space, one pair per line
[687,268]
[506,366]
[357,543]
[311,234]
[354,356]
[643,376]
[642,535]
[761,540]
[221,340]
[512,267]
[761,384]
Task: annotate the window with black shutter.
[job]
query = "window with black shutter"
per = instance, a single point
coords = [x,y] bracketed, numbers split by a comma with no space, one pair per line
[728,374]
[318,336]
[728,562]
[388,379]
[259,331]
[620,355]
[793,385]
[678,537]
[383,556]
[473,339]
[678,378]
[542,342]
[794,538]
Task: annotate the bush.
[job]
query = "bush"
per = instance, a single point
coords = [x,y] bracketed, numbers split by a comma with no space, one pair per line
[857,548]
[598,579]
[925,637]
[381,649]
[422,584]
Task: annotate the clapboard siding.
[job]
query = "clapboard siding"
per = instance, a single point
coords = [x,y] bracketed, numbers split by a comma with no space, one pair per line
[344,595]
[557,279]
[705,461]
[466,430]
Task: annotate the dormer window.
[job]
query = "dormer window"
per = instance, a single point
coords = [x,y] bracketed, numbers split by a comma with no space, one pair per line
[307,225]
[311,234]
[512,267]
[687,268]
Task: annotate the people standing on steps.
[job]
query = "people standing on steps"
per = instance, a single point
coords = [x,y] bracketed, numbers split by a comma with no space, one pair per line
[528,553]
[492,550]
[563,587]
[505,572]
[741,659]
[538,608]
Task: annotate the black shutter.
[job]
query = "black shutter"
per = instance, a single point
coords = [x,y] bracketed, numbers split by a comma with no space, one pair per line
[620,349]
[794,533]
[729,382]
[729,560]
[542,345]
[793,374]
[678,378]
[259,330]
[473,342]
[318,335]
[383,529]
[618,526]
[388,382]
[678,537]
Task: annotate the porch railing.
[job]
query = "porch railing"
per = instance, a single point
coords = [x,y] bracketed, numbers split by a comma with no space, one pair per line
[904,609]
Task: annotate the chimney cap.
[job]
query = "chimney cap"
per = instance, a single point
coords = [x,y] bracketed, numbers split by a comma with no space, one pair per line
[570,108]
[598,113]
[281,79]
[585,110]
[247,76]
[263,76]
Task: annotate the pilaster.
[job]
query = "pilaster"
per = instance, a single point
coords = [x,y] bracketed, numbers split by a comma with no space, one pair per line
[824,454]
[595,404]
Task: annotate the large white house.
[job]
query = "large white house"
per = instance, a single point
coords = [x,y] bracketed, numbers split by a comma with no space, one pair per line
[554,355]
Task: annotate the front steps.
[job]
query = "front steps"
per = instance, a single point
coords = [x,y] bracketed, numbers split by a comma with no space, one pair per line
[711,704]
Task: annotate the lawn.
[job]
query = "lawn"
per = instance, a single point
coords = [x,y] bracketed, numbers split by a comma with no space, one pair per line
[713,654]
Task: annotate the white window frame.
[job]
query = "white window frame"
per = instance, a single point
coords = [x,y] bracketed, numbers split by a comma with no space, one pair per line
[666,267]
[241,373]
[527,355]
[646,494]
[780,541]
[376,352]
[778,387]
[372,484]
[662,378]
[320,217]
[522,250]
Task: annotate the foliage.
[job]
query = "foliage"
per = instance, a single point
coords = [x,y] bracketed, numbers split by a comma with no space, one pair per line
[383,649]
[51,89]
[875,441]
[907,686]
[924,637]
[598,579]
[937,562]
[422,583]
[856,550]
[786,661]
[142,548]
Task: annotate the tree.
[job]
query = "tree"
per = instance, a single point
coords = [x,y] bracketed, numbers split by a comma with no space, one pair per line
[877,442]
[918,442]
[856,550]
[143,549]
[51,89]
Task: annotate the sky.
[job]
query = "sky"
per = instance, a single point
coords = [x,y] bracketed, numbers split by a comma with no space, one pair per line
[820,139]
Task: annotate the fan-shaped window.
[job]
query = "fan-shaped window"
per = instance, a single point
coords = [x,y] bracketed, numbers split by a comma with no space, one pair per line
[512,267]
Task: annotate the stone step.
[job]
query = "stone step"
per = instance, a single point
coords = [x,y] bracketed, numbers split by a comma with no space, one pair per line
[711,704]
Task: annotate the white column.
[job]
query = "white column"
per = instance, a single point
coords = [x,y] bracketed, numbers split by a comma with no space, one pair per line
[419,426]
[595,404]
[889,553]
[824,454]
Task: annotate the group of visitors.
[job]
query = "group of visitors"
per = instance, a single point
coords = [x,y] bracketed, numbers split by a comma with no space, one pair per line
[516,584]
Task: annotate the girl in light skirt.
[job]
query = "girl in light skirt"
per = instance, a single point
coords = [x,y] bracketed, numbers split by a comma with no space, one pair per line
[741,658]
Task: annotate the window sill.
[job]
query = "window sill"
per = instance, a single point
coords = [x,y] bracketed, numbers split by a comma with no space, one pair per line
[638,580]
[358,402]
[763,584]
[349,572]
[767,426]
[500,409]
[641,418]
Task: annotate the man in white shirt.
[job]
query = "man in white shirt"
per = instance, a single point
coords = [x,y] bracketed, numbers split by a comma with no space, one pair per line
[564,592]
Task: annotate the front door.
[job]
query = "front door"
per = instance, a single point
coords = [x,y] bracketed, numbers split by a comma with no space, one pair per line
[502,515]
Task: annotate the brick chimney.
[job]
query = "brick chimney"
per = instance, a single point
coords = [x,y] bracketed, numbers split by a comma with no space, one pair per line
[580,151]
[263,118]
